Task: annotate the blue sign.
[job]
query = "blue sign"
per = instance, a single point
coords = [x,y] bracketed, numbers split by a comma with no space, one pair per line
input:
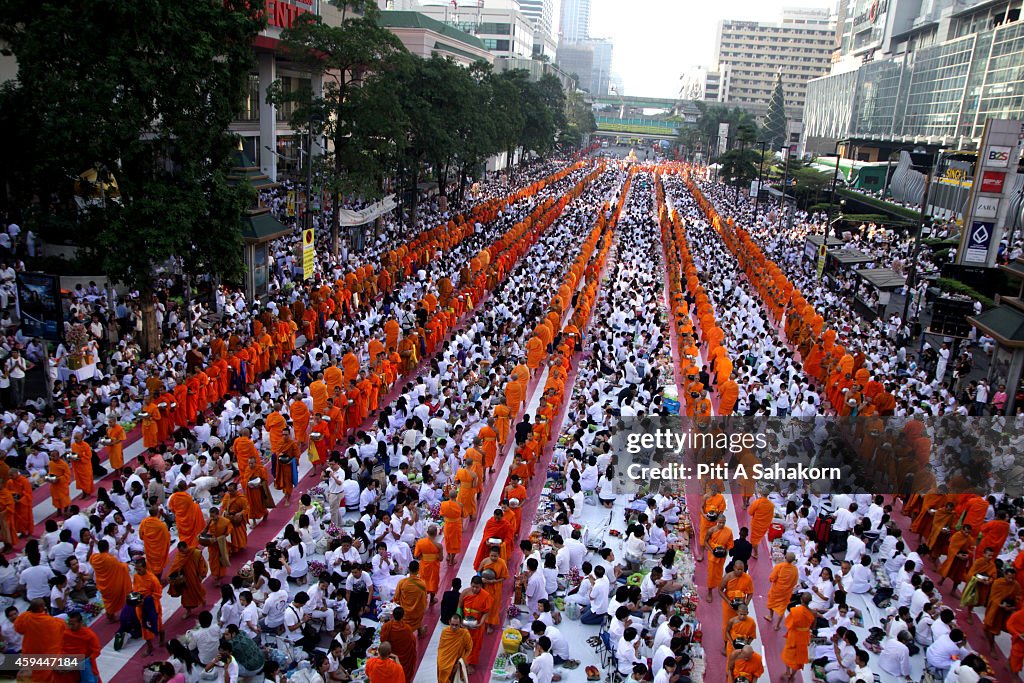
[978,240]
[39,306]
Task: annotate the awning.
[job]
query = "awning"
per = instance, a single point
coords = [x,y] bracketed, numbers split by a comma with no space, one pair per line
[1004,323]
[882,278]
[850,257]
[263,227]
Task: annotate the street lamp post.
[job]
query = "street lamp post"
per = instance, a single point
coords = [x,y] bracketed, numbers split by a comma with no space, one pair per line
[912,269]
[760,171]
[835,179]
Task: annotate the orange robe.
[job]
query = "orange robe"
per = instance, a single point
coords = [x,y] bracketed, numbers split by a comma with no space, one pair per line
[188,517]
[403,645]
[762,511]
[218,562]
[83,643]
[300,415]
[236,509]
[752,668]
[60,490]
[115,451]
[192,566]
[716,565]
[494,616]
[477,606]
[798,637]
[41,635]
[83,467]
[455,645]
[149,585]
[411,595]
[784,578]
[156,540]
[385,670]
[1015,627]
[112,581]
[21,488]
[429,556]
[452,514]
[150,425]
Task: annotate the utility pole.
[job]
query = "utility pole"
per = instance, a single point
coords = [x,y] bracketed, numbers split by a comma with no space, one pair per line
[832,195]
[760,171]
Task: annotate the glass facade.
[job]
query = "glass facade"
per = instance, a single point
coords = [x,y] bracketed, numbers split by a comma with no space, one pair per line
[943,92]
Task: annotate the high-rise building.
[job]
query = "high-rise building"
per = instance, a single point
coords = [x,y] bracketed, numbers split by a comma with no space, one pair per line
[923,73]
[545,34]
[574,23]
[800,46]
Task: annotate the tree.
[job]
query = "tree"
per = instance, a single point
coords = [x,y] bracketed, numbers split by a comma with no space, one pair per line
[579,120]
[775,123]
[739,166]
[742,127]
[143,92]
[345,56]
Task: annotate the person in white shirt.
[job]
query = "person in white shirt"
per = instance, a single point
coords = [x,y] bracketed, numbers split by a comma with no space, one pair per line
[596,612]
[224,663]
[542,669]
[274,606]
[12,639]
[536,586]
[205,639]
[894,658]
[944,651]
[36,580]
[248,623]
[860,578]
[626,651]
[855,547]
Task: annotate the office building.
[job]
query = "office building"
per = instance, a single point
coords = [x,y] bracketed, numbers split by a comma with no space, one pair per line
[500,24]
[545,34]
[574,21]
[426,37]
[929,75]
[754,53]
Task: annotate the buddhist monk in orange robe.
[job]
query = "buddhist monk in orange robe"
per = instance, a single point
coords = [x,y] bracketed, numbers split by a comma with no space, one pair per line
[411,595]
[745,663]
[299,412]
[455,645]
[186,577]
[21,489]
[717,542]
[798,636]
[494,586]
[115,449]
[784,578]
[235,508]
[148,585]
[156,540]
[218,557]
[476,603]
[113,580]
[150,424]
[1015,627]
[397,636]
[60,483]
[82,466]
[761,512]
[188,516]
[452,513]
[428,552]
[41,635]
[80,641]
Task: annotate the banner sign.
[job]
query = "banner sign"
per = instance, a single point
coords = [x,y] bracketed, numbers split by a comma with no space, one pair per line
[308,251]
[978,240]
[39,306]
[369,214]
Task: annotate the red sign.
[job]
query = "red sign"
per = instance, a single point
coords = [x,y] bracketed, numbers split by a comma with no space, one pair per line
[282,13]
[992,182]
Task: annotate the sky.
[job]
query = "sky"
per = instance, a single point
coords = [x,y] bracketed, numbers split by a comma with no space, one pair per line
[656,41]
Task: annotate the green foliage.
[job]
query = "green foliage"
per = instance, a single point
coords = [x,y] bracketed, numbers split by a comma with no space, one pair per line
[878,203]
[144,92]
[739,166]
[953,286]
[775,122]
[743,129]
[346,55]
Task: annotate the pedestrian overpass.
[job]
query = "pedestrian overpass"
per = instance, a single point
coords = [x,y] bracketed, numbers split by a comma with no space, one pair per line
[644,126]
